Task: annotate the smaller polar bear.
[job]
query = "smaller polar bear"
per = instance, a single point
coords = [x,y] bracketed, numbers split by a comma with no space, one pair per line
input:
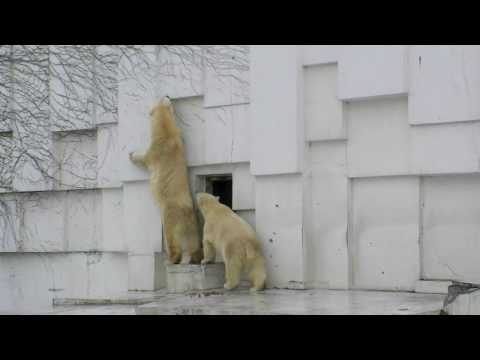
[234,238]
[165,160]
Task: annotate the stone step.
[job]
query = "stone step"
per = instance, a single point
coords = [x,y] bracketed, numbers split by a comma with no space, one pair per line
[179,279]
[185,278]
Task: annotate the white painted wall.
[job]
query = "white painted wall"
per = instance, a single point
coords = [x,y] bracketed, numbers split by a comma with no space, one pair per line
[326,247]
[277,109]
[444,83]
[358,166]
[450,234]
[385,233]
[407,182]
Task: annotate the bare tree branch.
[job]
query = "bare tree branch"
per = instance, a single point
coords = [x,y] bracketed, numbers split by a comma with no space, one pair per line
[53,97]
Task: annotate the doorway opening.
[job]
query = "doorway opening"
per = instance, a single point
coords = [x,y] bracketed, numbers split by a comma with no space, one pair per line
[221,186]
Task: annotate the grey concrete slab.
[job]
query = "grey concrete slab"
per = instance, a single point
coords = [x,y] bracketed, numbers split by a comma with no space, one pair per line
[291,302]
[270,302]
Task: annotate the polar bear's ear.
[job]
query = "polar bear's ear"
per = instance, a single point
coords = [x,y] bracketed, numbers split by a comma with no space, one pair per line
[217,197]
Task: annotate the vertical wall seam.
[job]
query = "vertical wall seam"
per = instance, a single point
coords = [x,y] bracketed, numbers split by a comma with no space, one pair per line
[350,240]
[420,225]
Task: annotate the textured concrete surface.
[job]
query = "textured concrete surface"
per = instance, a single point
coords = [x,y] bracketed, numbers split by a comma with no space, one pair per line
[291,302]
[93,310]
[241,302]
[117,304]
[129,298]
[465,304]
[432,287]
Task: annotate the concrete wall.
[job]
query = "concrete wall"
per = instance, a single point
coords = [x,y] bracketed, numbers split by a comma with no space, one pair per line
[357,165]
[393,138]
[101,205]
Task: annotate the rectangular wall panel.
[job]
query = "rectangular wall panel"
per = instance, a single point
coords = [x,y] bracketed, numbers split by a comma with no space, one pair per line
[323,110]
[322,54]
[277,109]
[445,83]
[373,70]
[385,233]
[378,137]
[327,253]
[279,224]
[451,229]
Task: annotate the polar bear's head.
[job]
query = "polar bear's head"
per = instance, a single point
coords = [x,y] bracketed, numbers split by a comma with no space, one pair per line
[205,200]
[162,119]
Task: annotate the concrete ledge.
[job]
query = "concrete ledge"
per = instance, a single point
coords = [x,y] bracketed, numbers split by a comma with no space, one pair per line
[295,302]
[466,304]
[129,298]
[185,278]
[432,287]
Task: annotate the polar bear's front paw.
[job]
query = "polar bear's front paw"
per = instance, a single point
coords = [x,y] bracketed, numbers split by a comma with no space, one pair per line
[227,286]
[205,262]
[166,101]
[137,158]
[186,260]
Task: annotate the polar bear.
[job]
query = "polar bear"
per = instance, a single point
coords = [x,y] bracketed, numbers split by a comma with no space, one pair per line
[165,161]
[230,235]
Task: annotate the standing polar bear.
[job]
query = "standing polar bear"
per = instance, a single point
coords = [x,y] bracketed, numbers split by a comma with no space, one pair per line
[234,238]
[165,160]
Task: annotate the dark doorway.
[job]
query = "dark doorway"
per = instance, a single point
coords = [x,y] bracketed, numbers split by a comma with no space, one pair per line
[221,186]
